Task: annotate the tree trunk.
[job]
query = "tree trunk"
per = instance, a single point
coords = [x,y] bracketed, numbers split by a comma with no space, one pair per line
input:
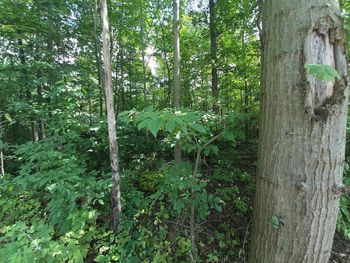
[168,71]
[302,133]
[2,165]
[213,55]
[176,24]
[143,54]
[112,131]
[98,57]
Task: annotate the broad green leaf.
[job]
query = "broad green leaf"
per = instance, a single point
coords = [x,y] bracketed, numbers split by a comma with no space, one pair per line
[154,126]
[170,125]
[143,124]
[8,117]
[197,127]
[322,72]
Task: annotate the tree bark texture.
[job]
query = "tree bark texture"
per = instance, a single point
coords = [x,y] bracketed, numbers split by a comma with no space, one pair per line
[302,133]
[112,130]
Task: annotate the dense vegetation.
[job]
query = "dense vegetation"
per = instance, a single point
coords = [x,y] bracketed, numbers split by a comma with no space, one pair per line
[55,184]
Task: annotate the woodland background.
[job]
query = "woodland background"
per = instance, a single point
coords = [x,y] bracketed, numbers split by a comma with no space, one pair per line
[55,183]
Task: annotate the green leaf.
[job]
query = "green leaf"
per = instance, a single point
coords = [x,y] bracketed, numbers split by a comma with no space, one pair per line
[275,222]
[154,126]
[143,124]
[322,72]
[170,125]
[8,117]
[197,127]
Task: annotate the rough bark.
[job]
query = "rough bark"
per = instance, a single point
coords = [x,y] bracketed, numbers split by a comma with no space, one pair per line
[213,54]
[302,133]
[112,131]
[176,24]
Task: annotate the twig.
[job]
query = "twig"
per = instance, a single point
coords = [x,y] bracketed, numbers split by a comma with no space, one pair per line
[245,240]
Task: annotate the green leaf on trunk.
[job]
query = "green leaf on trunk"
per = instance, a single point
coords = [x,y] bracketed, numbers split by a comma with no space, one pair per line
[322,72]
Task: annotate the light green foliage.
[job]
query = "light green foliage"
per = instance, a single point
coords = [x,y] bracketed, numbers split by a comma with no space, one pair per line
[275,222]
[322,72]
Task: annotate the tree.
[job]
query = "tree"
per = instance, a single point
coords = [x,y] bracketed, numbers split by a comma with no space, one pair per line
[213,54]
[302,133]
[176,24]
[112,129]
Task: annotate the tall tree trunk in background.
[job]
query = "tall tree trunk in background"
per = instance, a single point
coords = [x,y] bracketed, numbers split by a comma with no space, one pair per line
[143,54]
[168,71]
[121,61]
[302,133]
[246,91]
[213,55]
[28,94]
[112,127]
[246,109]
[176,25]
[2,165]
[98,57]
[130,80]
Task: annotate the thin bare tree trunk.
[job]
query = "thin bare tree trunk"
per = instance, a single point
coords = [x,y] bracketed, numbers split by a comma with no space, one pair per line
[112,127]
[143,54]
[2,165]
[2,162]
[213,55]
[302,133]
[176,25]
[98,57]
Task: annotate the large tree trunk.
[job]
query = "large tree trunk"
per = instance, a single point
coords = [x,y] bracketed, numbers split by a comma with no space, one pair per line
[176,25]
[112,130]
[302,133]
[213,55]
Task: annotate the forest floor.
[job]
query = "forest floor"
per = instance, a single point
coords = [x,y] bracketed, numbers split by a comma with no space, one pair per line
[341,249]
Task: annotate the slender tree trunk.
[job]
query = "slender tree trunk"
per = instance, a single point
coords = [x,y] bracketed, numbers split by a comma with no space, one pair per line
[98,57]
[2,161]
[168,71]
[176,22]
[246,109]
[112,129]
[176,25]
[213,55]
[302,133]
[35,128]
[143,48]
[130,81]
[2,165]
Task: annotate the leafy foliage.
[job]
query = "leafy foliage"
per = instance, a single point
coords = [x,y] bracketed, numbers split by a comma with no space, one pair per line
[322,72]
